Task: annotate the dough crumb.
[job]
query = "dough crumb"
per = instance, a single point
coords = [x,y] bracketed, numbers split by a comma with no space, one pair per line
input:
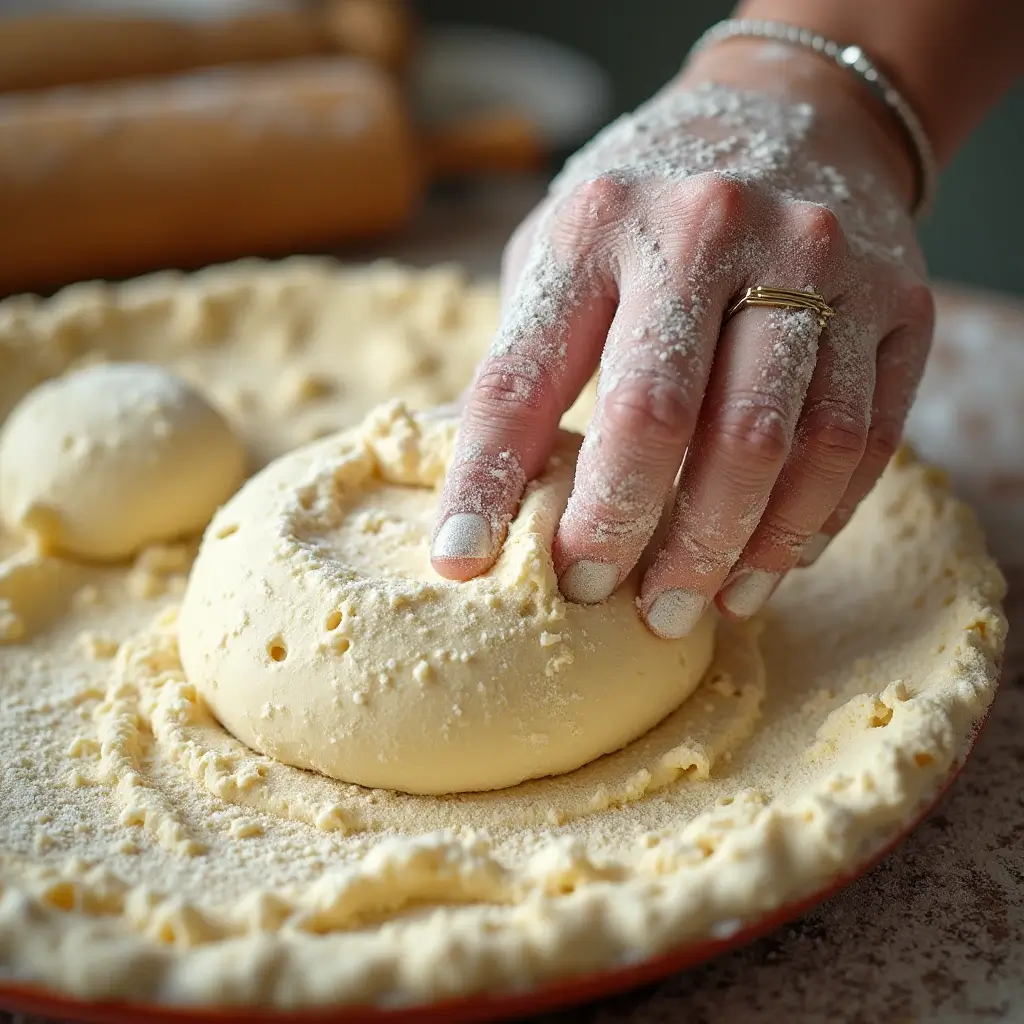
[97,646]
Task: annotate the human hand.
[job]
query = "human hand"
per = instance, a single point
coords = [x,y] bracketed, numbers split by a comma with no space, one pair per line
[782,174]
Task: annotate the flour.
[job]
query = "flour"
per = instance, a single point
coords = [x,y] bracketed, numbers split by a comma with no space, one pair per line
[146,854]
[658,138]
[546,291]
[785,370]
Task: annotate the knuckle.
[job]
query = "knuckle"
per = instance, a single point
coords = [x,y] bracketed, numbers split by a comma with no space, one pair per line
[834,438]
[615,510]
[920,306]
[776,537]
[653,412]
[819,228]
[585,214]
[513,380]
[882,442]
[723,199]
[691,549]
[752,438]
[602,193]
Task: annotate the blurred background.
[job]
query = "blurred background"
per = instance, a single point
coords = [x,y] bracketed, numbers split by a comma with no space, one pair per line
[121,151]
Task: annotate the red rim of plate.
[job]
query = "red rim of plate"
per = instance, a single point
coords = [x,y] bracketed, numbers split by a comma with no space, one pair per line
[560,994]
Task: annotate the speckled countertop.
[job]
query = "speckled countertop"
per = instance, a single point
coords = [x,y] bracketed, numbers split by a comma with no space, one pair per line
[936,932]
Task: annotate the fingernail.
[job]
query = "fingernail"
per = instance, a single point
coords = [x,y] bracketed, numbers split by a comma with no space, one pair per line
[463,535]
[814,549]
[586,582]
[675,613]
[746,595]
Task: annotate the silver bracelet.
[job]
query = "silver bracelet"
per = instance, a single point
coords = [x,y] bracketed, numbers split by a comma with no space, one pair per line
[856,61]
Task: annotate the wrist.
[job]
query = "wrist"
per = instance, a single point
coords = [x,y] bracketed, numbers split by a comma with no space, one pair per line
[851,124]
[949,59]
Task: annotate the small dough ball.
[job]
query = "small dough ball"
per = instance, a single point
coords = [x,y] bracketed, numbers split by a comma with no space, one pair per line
[108,459]
[317,632]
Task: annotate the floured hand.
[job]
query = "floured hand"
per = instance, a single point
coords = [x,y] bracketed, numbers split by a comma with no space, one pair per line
[762,165]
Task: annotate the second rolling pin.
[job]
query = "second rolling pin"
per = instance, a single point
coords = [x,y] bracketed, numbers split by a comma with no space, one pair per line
[41,51]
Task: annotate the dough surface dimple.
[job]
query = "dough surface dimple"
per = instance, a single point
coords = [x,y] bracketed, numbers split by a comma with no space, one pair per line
[108,459]
[316,631]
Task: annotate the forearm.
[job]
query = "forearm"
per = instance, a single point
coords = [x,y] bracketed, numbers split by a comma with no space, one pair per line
[952,59]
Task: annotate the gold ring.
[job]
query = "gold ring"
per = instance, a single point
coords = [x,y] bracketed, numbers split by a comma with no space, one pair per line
[785,298]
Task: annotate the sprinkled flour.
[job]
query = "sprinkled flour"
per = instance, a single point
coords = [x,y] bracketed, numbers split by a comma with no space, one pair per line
[146,854]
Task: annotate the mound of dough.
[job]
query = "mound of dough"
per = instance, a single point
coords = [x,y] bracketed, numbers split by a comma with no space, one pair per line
[317,632]
[106,460]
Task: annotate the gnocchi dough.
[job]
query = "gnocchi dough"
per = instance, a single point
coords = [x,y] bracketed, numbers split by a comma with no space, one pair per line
[317,631]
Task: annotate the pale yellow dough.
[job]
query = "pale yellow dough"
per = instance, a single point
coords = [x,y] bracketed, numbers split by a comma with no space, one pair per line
[110,458]
[147,854]
[317,631]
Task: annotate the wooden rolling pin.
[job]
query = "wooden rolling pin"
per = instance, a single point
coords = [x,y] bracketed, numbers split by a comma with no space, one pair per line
[113,180]
[43,51]
[383,31]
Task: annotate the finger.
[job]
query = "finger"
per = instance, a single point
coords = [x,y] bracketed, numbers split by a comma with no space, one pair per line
[546,348]
[763,367]
[653,374]
[830,439]
[899,365]
[512,259]
[515,254]
[676,275]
